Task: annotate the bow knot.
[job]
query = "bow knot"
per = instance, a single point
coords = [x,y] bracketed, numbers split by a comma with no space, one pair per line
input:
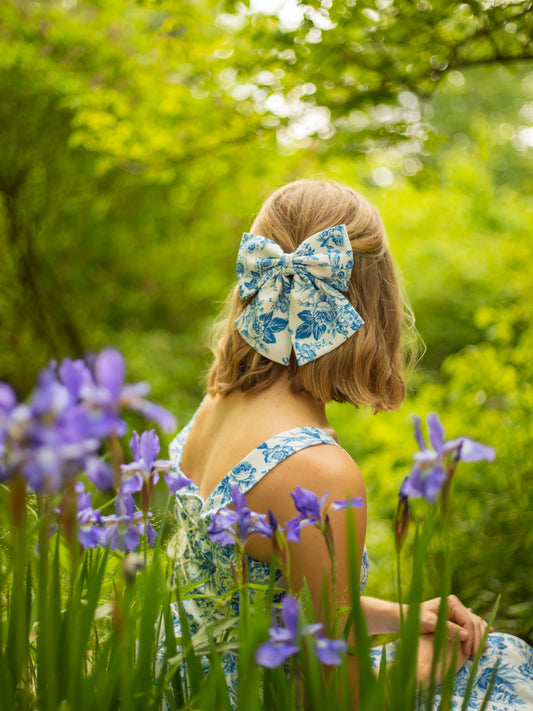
[307,311]
[287,266]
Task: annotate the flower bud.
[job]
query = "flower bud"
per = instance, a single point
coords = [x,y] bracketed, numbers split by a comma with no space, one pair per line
[132,564]
[401,522]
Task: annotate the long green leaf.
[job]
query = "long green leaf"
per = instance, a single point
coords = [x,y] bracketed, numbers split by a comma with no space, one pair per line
[448,682]
[171,650]
[490,687]
[477,657]
[194,670]
[366,678]
[6,681]
[92,578]
[48,627]
[150,592]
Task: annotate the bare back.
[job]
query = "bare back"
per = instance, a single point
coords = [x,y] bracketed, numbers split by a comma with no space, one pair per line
[227,428]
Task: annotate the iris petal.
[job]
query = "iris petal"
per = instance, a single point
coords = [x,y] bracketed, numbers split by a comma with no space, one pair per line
[109,370]
[149,447]
[418,433]
[271,655]
[436,431]
[472,451]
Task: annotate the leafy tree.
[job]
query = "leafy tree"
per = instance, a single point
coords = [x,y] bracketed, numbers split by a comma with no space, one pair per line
[115,132]
[362,67]
[123,121]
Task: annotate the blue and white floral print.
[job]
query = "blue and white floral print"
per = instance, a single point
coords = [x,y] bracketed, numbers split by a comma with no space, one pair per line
[513,686]
[298,301]
[197,558]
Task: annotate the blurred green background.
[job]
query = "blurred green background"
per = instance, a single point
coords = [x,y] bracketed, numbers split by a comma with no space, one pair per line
[138,139]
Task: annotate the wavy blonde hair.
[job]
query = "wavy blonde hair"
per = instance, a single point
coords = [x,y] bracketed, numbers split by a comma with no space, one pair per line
[368,368]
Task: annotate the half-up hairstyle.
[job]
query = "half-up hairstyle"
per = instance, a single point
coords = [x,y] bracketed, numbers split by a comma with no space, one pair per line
[367,368]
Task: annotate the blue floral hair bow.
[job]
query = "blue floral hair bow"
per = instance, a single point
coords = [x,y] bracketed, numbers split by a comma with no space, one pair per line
[298,301]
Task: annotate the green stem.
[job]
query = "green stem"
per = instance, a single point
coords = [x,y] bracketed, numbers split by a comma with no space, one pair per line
[48,625]
[333,631]
[328,537]
[399,584]
[244,593]
[145,538]
[17,634]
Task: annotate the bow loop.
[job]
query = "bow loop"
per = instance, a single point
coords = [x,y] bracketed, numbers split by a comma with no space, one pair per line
[298,301]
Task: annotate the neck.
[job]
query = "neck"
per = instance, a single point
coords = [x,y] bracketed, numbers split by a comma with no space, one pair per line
[301,402]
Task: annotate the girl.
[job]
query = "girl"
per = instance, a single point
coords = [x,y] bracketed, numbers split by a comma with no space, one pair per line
[317,315]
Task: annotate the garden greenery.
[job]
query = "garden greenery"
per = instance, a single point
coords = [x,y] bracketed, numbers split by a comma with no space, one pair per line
[136,140]
[86,620]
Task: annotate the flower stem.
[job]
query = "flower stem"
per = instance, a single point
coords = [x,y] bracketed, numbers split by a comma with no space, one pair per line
[145,538]
[17,632]
[245,599]
[328,537]
[399,584]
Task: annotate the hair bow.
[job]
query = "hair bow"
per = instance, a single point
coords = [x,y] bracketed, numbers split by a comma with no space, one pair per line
[298,301]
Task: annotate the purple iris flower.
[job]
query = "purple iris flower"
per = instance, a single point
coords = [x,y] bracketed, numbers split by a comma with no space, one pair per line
[123,528]
[109,393]
[76,417]
[310,511]
[50,397]
[176,480]
[8,402]
[8,399]
[433,467]
[329,651]
[43,470]
[15,425]
[228,526]
[47,440]
[146,467]
[99,473]
[150,531]
[427,477]
[50,447]
[309,506]
[90,530]
[75,375]
[285,641]
[353,502]
[57,435]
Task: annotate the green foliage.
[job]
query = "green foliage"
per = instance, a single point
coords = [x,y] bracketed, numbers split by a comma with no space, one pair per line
[88,629]
[486,392]
[116,132]
[365,64]
[137,140]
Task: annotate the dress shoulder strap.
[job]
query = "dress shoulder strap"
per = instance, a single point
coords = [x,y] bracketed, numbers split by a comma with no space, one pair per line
[261,460]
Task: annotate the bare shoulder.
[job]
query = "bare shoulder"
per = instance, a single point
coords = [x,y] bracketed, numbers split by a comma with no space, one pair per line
[325,464]
[321,468]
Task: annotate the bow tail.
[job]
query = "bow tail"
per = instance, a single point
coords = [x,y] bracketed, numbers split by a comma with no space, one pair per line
[264,324]
[321,319]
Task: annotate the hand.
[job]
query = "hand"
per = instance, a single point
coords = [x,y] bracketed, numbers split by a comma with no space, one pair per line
[462,622]
[425,659]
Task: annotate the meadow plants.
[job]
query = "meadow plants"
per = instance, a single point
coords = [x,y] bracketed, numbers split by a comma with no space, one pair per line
[87,622]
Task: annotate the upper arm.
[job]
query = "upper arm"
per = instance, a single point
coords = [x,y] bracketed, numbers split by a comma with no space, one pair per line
[321,469]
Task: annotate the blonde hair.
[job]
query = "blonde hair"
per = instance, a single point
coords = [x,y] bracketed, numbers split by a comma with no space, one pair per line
[367,368]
